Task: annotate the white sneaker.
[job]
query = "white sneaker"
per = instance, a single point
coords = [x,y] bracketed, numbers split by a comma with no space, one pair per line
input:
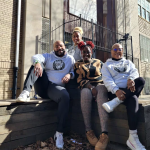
[58,137]
[133,142]
[111,105]
[23,97]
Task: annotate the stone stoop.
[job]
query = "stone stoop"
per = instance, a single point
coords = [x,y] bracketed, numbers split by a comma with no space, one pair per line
[117,124]
[26,123]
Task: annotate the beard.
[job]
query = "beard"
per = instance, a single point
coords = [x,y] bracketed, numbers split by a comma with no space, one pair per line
[60,54]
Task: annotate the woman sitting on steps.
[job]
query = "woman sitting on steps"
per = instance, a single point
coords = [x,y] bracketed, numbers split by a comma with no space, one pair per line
[89,78]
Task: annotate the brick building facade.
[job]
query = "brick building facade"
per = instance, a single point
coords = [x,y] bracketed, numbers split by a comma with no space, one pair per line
[8,26]
[38,14]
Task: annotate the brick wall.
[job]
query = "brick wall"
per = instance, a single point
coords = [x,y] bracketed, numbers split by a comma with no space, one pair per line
[8,23]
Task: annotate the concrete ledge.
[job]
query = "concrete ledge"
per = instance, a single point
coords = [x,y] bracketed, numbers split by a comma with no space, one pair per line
[32,101]
[117,124]
[25,123]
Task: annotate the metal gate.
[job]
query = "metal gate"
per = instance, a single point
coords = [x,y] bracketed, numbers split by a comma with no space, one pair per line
[102,37]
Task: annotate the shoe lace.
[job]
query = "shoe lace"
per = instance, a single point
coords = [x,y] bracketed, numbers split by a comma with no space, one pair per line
[103,138]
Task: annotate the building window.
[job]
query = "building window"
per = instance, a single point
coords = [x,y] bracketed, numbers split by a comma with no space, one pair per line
[144,9]
[45,35]
[139,2]
[143,13]
[145,48]
[139,10]
[88,9]
[147,16]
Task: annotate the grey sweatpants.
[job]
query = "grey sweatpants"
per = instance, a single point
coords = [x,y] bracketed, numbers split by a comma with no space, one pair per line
[46,89]
[86,106]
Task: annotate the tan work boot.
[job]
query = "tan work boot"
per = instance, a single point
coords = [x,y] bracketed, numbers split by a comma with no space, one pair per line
[91,137]
[102,142]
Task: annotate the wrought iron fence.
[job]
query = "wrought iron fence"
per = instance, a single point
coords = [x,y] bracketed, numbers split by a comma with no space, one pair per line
[102,37]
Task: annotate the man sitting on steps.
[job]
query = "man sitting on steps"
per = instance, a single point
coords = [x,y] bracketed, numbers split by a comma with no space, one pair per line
[48,74]
[124,85]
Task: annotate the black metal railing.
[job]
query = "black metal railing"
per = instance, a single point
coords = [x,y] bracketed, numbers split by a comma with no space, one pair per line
[102,37]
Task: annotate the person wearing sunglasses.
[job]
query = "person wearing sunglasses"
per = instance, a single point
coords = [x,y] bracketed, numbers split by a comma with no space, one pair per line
[48,74]
[124,85]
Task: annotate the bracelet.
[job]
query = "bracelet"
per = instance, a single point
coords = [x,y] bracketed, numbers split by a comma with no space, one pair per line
[36,61]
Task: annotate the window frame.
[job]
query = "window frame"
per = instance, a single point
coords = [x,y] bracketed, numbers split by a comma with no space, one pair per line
[147,16]
[144,48]
[143,9]
[144,14]
[139,9]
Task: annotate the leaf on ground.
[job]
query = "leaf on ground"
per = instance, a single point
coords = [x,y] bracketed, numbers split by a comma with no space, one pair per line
[28,148]
[38,143]
[43,144]
[49,144]
[45,148]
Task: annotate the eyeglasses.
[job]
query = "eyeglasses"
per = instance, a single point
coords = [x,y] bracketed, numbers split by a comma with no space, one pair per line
[119,49]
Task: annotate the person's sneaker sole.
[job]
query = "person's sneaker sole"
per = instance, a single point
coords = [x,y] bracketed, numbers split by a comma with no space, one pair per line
[107,108]
[23,100]
[129,144]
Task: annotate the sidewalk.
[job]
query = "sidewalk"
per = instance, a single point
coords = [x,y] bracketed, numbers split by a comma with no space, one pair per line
[144,99]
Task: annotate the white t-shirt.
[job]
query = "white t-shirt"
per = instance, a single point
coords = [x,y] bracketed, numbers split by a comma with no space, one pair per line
[56,67]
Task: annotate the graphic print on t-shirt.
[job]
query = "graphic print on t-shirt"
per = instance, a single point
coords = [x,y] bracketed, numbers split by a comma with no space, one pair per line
[120,67]
[58,65]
